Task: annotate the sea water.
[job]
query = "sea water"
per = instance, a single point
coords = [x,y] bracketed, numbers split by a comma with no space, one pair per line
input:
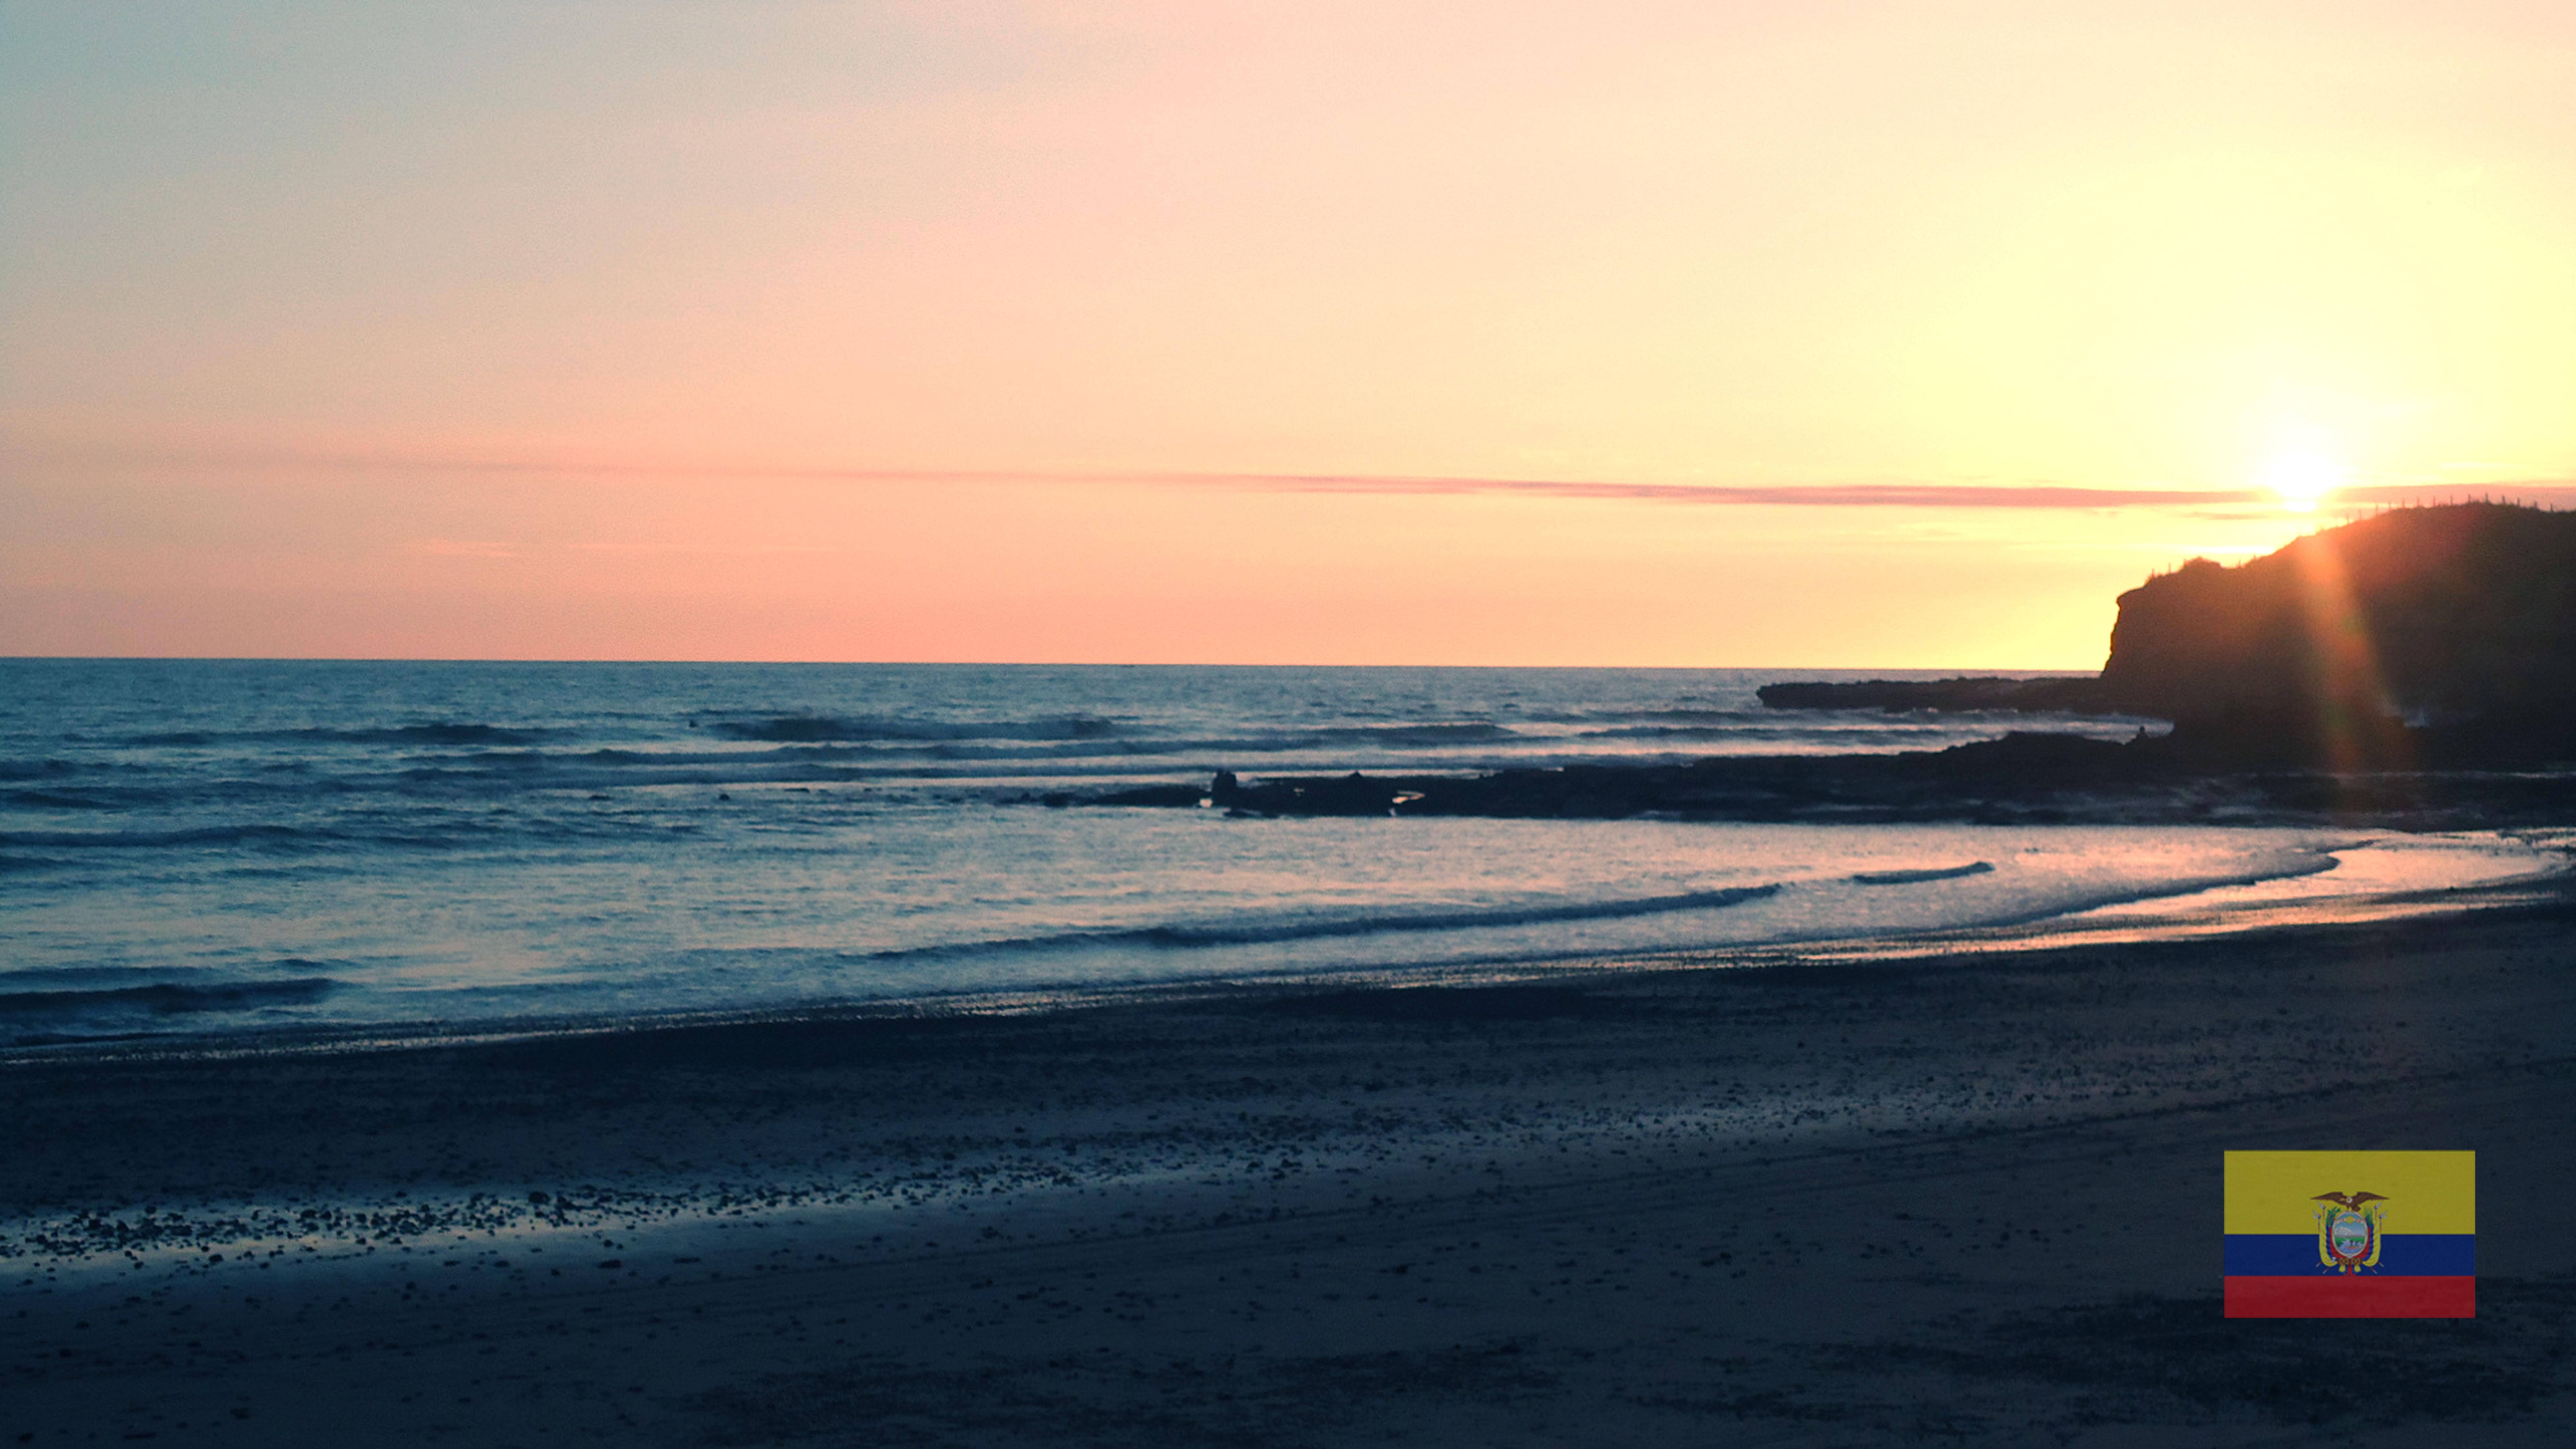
[229,848]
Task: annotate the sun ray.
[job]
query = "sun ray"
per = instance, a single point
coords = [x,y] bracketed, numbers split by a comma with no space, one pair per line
[2347,692]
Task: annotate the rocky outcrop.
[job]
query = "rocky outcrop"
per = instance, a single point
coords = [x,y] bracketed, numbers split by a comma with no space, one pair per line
[2077,695]
[2018,773]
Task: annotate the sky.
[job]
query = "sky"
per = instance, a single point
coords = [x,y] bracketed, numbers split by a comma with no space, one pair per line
[1897,335]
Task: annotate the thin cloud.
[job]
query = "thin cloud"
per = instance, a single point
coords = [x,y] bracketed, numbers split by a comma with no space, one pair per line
[1815,495]
[2550,492]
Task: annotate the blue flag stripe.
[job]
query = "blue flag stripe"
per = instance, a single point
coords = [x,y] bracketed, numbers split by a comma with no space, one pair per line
[2405,1255]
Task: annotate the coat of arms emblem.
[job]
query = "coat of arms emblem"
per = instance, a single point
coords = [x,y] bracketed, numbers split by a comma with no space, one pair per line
[2348,1230]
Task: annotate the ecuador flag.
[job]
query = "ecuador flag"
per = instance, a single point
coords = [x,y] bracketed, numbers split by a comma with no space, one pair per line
[2352,1235]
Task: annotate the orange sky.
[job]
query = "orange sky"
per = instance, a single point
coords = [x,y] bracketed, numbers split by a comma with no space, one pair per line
[1006,331]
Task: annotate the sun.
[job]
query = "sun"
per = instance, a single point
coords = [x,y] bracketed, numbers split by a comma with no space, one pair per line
[2302,476]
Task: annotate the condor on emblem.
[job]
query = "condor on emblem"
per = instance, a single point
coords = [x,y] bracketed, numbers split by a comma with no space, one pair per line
[2348,1229]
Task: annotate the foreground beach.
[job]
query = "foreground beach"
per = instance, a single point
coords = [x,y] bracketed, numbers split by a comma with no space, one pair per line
[1968,1194]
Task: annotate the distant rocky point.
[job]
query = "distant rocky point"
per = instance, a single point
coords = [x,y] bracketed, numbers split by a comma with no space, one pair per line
[2080,694]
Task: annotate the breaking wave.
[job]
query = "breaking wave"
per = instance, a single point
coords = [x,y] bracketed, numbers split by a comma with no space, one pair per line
[1911,877]
[1201,937]
[816,728]
[166,999]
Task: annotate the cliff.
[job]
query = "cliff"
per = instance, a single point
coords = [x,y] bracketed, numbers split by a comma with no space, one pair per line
[2459,621]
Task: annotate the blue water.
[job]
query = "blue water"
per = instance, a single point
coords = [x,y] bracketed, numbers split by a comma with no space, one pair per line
[220,848]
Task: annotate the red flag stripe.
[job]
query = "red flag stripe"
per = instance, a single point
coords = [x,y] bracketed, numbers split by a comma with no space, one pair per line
[2342,1296]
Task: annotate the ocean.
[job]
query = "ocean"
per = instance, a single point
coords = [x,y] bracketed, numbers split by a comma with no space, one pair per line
[248,852]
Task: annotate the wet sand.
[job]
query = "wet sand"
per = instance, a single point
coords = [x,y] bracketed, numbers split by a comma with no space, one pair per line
[1961,1197]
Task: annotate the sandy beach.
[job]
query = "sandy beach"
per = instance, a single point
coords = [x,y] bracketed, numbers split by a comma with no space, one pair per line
[1962,1197]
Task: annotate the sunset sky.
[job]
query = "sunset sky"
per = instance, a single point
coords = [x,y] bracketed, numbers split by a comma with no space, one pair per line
[1734,334]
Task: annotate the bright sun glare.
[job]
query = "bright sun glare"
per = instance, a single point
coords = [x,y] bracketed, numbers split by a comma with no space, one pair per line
[2301,477]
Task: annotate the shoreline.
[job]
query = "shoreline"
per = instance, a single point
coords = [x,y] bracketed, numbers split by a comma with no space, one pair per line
[2227,908]
[1643,1206]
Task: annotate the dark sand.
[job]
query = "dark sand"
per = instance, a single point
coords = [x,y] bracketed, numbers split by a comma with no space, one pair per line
[1963,1198]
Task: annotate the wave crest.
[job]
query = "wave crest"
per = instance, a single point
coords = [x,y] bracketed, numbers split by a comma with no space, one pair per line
[815,728]
[1911,877]
[166,999]
[1185,937]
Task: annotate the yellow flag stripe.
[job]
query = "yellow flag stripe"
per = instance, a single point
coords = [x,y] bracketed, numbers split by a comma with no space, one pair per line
[2426,1192]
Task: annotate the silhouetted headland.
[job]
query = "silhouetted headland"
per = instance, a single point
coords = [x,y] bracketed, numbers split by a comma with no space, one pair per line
[2441,637]
[2382,670]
